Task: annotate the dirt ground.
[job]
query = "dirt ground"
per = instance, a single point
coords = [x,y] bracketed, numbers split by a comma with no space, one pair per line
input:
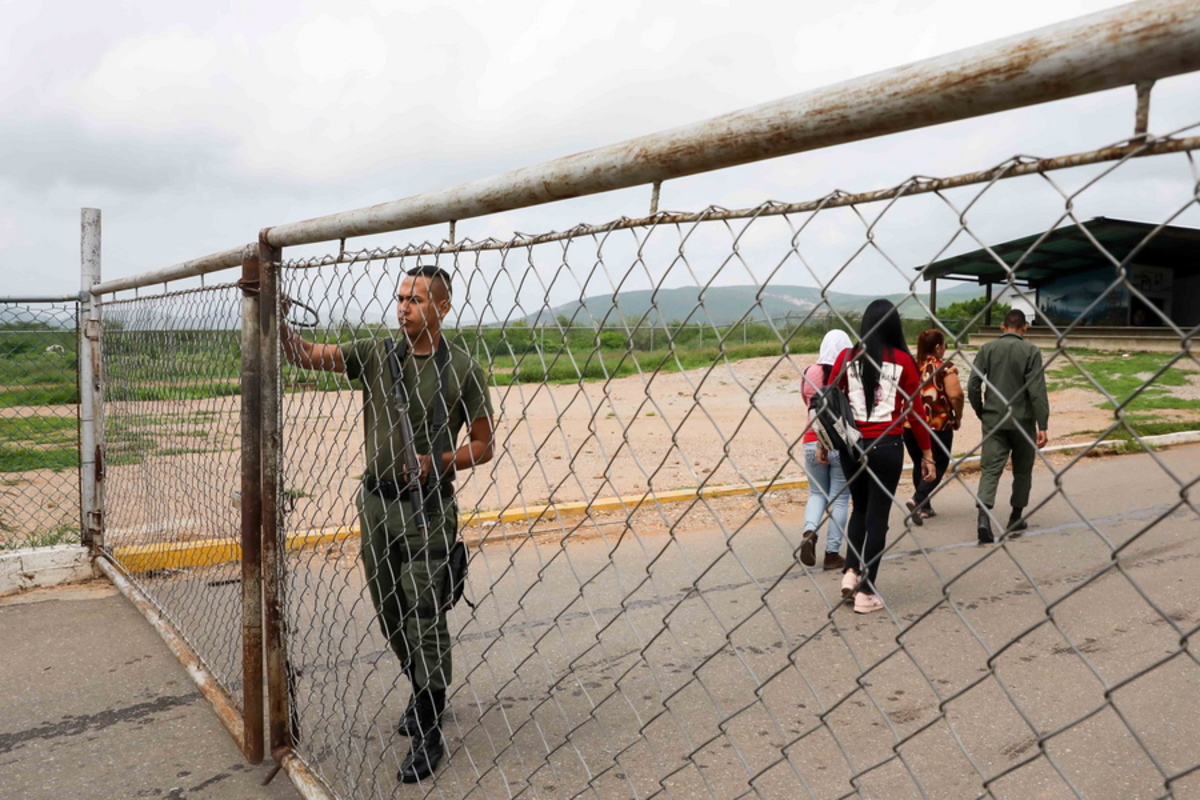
[728,424]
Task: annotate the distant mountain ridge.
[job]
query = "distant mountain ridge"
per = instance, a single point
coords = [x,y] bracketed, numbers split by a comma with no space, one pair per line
[724,305]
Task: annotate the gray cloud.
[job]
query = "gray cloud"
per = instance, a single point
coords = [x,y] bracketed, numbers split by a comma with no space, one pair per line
[45,154]
[193,126]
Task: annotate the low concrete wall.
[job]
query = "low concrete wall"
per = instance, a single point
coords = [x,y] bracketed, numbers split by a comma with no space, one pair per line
[1124,340]
[37,567]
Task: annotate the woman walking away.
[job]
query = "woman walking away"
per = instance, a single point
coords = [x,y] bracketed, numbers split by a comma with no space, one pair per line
[880,379]
[826,481]
[943,395]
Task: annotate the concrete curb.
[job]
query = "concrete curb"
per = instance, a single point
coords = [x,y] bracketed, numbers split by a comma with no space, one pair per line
[971,463]
[39,567]
[143,558]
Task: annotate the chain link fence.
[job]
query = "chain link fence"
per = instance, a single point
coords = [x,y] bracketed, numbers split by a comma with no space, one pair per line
[643,626]
[39,414]
[172,480]
[645,617]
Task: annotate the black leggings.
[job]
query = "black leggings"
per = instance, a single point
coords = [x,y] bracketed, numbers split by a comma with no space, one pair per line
[942,443]
[871,493]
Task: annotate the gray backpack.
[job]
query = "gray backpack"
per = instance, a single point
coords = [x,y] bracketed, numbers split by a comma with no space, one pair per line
[833,423]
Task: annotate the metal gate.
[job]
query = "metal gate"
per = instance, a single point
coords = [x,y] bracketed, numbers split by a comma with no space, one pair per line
[644,623]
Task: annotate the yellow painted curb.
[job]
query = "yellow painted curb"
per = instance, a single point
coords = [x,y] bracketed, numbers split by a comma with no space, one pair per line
[628,501]
[144,558]
[181,555]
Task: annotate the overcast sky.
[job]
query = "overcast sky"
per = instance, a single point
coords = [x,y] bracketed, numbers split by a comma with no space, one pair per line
[194,125]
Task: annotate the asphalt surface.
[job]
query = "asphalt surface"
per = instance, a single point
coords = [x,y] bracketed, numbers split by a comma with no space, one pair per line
[708,664]
[97,708]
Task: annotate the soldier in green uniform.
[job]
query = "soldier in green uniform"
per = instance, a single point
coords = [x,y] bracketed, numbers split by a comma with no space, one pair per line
[1015,413]
[407,570]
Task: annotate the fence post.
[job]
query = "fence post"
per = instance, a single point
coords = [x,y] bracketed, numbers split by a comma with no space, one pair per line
[91,408]
[279,678]
[252,509]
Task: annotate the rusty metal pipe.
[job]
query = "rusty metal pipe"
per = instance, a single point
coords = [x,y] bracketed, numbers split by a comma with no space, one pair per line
[1137,42]
[252,510]
[304,779]
[188,269]
[280,686]
[1011,169]
[224,706]
[1141,121]
[62,298]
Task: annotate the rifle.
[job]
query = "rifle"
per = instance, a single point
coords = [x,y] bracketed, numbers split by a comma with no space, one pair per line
[457,559]
[408,448]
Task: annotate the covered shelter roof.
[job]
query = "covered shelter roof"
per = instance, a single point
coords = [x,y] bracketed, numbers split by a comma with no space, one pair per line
[1039,258]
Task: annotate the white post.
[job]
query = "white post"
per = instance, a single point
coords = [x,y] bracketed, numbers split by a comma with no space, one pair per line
[91,410]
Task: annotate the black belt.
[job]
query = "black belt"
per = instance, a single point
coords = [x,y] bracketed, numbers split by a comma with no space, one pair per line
[391,490]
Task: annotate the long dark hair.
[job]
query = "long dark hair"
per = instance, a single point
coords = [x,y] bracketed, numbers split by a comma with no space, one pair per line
[881,331]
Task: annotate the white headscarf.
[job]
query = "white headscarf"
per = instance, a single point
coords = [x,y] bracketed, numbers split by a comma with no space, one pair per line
[832,346]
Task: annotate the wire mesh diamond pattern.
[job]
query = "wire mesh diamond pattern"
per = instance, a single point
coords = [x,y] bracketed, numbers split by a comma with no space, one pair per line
[172,437]
[39,457]
[643,624]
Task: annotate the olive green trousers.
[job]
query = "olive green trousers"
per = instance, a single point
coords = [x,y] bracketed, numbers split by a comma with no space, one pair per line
[408,579]
[998,445]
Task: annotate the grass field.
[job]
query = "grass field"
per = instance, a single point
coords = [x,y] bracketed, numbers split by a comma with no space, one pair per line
[1136,381]
[192,365]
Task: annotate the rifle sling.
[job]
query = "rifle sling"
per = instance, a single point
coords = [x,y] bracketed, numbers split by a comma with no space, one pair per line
[436,415]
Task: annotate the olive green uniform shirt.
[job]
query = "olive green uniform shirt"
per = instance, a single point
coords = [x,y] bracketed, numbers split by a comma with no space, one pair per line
[1007,388]
[467,397]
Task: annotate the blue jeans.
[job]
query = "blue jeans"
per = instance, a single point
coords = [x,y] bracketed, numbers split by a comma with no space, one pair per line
[826,489]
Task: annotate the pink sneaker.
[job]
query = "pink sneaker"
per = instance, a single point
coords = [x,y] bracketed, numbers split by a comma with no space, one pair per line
[865,603]
[849,584]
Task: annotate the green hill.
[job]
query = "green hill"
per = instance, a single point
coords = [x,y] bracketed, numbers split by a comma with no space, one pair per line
[725,305]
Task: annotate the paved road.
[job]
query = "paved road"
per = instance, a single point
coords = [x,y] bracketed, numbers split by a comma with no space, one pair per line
[710,664]
[96,707]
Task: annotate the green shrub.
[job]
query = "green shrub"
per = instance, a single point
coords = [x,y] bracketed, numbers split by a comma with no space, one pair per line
[611,340]
[959,318]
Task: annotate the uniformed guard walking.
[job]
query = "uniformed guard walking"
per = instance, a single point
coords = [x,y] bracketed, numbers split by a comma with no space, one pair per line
[419,392]
[1015,413]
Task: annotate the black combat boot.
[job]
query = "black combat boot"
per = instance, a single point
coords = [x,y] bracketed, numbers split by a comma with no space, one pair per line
[408,723]
[427,744]
[1016,524]
[984,526]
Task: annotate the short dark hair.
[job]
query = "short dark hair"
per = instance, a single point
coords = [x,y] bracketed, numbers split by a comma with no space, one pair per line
[1015,319]
[436,275]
